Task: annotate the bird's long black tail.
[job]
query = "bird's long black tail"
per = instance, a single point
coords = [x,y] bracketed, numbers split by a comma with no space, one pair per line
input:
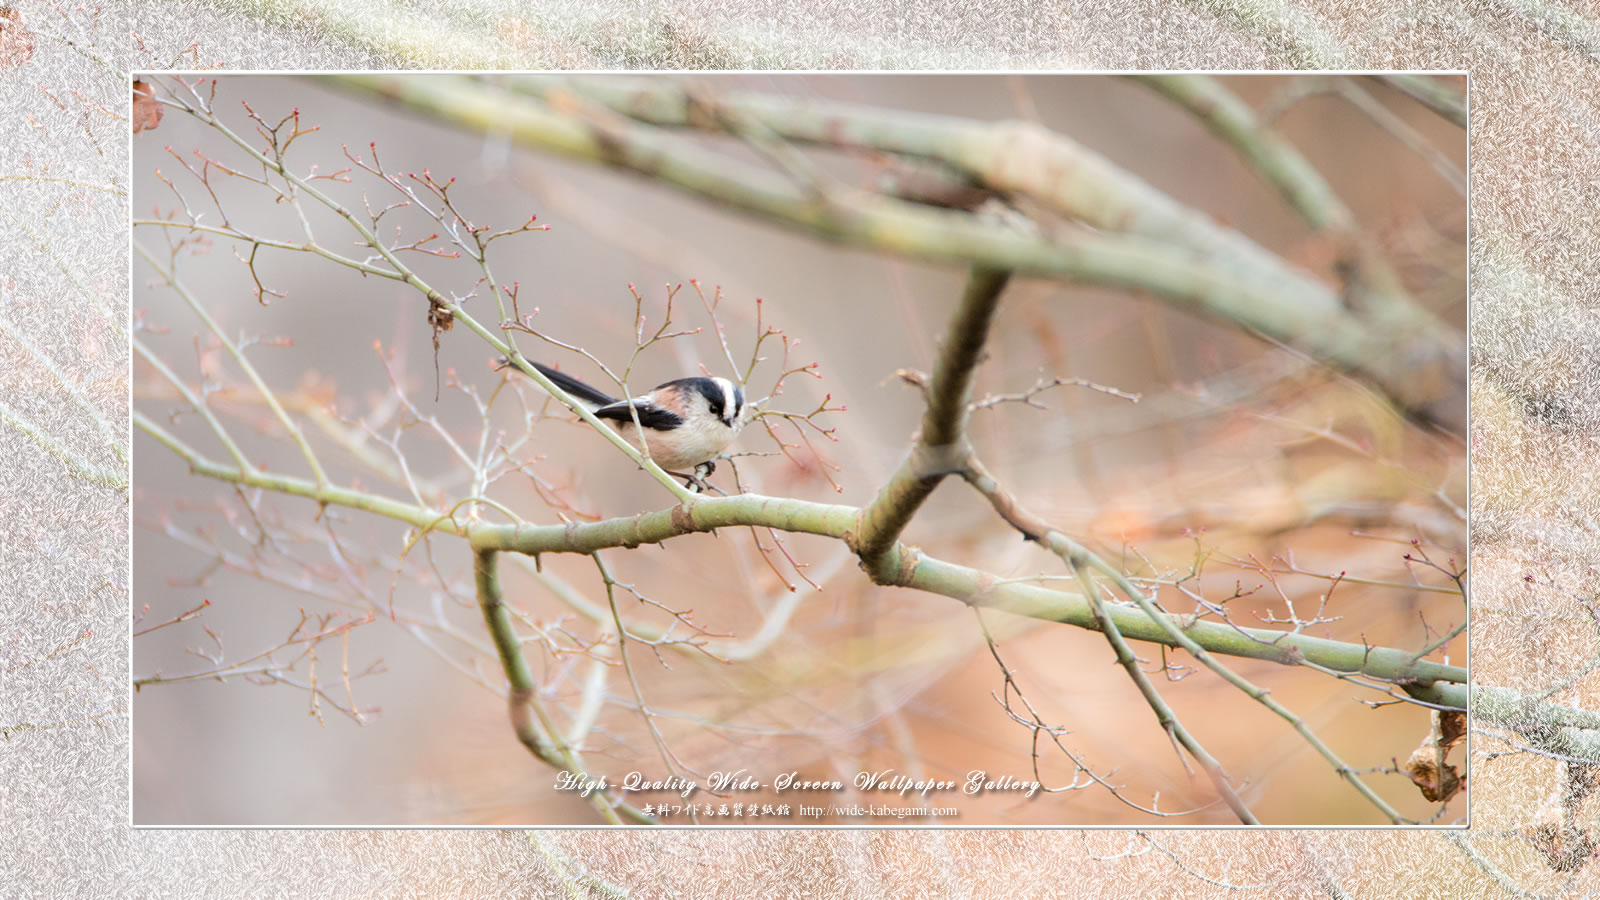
[573,386]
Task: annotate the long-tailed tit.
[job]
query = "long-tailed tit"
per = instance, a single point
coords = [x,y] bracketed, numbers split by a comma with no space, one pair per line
[686,422]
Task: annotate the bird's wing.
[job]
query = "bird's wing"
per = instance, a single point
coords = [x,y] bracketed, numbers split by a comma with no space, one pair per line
[650,415]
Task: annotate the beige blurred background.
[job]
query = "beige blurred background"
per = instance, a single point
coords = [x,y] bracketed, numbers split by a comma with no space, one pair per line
[864,678]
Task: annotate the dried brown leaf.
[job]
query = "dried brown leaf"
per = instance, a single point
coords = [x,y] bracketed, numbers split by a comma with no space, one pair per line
[1425,774]
[1426,767]
[1452,729]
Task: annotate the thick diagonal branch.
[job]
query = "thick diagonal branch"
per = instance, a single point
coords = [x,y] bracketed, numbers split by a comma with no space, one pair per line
[941,447]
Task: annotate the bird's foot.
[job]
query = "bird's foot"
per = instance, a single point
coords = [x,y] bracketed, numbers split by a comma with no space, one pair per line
[696,480]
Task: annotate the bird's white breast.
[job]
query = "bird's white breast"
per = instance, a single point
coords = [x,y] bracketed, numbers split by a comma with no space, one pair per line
[696,441]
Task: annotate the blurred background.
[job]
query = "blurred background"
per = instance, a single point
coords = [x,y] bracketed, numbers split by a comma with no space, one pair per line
[1238,457]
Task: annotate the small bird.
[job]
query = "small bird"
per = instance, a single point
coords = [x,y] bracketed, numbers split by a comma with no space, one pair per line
[687,422]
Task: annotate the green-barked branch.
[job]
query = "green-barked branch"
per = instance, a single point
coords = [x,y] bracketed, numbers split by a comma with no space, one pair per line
[911,567]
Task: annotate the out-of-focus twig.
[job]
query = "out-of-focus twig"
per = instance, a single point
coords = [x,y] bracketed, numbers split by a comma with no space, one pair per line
[1234,281]
[1036,529]
[543,740]
[1432,93]
[1373,289]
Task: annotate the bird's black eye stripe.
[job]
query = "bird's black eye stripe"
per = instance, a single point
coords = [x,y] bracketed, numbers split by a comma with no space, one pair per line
[716,400]
[650,415]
